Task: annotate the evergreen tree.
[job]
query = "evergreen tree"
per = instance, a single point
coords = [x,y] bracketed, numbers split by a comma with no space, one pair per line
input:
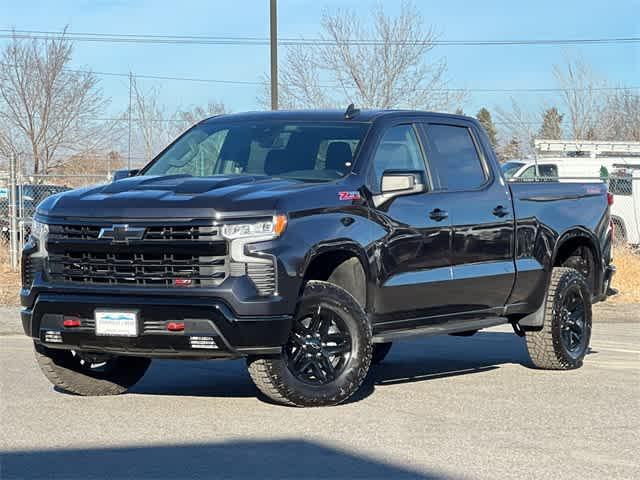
[484,117]
[511,151]
[551,128]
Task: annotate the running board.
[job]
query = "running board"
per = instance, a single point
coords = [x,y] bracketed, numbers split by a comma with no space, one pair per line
[452,326]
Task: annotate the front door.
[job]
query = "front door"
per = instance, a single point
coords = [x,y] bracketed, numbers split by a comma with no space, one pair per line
[413,250]
[481,214]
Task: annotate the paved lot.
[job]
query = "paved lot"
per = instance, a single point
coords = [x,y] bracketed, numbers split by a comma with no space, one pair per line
[442,407]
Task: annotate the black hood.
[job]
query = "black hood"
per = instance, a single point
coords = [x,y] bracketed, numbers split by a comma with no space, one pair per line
[185,197]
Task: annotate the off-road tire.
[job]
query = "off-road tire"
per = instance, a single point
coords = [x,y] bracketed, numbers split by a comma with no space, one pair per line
[380,352]
[545,346]
[65,372]
[274,379]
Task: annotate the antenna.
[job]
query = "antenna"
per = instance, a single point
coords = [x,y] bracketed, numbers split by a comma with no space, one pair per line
[351,112]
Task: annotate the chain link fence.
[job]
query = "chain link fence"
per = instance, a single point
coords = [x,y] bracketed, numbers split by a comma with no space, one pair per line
[20,195]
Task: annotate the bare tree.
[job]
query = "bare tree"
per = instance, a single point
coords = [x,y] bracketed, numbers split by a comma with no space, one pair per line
[387,65]
[519,127]
[152,132]
[155,127]
[183,119]
[48,111]
[582,97]
[620,117]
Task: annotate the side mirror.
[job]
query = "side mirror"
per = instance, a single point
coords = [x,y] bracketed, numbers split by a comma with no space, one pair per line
[397,183]
[120,174]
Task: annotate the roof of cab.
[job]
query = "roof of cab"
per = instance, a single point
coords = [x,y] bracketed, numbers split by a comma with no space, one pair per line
[325,115]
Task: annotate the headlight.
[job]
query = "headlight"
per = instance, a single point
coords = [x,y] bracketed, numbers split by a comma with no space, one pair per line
[263,230]
[40,231]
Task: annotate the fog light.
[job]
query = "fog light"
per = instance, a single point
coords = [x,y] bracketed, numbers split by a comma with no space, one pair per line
[203,342]
[52,336]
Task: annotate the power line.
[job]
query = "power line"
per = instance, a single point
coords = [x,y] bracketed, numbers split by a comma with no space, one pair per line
[247,82]
[263,41]
[260,83]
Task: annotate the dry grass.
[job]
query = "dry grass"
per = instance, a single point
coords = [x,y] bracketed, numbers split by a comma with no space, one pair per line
[626,280]
[9,281]
[627,277]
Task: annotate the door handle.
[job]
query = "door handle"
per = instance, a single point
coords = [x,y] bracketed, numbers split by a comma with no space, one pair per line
[500,211]
[438,215]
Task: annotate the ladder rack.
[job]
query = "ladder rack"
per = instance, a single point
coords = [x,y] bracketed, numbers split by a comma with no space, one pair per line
[593,148]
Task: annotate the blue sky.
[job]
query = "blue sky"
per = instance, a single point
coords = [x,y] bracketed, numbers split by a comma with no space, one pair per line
[469,67]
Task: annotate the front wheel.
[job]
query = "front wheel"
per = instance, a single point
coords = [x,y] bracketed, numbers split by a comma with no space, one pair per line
[90,374]
[563,341]
[328,353]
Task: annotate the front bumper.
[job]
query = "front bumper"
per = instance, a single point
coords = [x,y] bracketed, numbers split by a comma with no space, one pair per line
[228,335]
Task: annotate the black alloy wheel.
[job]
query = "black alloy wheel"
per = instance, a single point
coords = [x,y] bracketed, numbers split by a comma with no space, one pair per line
[572,322]
[327,355]
[319,346]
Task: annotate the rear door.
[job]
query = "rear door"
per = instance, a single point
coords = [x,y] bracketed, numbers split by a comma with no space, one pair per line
[480,209]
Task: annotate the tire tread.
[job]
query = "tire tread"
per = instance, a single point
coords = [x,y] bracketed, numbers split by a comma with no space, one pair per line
[543,346]
[130,371]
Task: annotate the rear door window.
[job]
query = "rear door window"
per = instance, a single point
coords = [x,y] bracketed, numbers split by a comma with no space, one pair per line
[454,151]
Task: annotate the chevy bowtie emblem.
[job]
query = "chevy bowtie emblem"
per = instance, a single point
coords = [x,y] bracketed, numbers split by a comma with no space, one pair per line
[121,233]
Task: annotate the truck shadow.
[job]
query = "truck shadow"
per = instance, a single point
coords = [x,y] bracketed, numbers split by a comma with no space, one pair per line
[447,356]
[268,459]
[409,361]
[431,358]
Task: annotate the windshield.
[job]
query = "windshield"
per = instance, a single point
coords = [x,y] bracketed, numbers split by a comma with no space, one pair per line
[509,168]
[304,151]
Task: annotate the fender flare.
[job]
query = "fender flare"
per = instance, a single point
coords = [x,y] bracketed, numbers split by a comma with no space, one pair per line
[577,232]
[582,233]
[350,247]
[536,319]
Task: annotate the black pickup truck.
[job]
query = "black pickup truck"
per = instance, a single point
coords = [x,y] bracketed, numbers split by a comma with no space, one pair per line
[307,242]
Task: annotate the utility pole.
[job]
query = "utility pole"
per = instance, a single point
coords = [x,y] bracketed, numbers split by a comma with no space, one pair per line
[274,53]
[130,107]
[13,212]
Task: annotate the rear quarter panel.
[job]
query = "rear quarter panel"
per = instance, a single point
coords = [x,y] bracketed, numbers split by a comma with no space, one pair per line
[547,214]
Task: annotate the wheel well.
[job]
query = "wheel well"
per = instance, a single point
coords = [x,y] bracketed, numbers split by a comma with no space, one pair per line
[342,268]
[579,253]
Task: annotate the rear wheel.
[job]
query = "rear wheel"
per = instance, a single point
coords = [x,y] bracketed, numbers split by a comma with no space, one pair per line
[90,374]
[563,341]
[328,353]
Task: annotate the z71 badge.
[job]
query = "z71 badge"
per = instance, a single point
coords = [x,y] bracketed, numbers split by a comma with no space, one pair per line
[349,196]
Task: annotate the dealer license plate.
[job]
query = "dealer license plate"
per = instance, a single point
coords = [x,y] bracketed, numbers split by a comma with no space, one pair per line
[119,323]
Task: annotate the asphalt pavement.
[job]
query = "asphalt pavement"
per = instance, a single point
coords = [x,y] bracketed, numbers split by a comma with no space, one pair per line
[440,407]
